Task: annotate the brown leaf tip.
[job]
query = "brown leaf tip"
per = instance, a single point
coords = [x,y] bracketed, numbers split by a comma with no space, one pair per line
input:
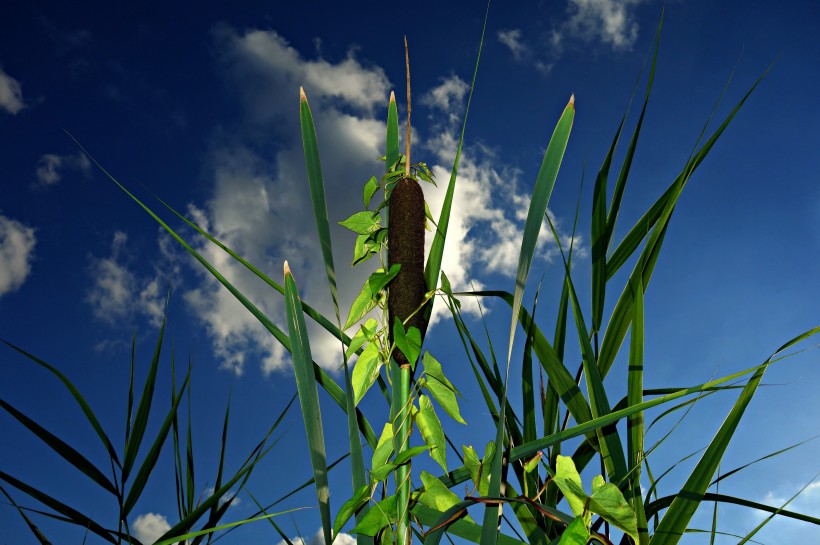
[392,96]
[572,100]
[302,95]
[287,269]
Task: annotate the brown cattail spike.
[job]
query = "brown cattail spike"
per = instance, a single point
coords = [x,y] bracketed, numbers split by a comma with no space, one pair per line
[405,236]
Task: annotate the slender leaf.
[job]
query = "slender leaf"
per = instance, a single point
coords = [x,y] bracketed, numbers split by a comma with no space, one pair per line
[308,399]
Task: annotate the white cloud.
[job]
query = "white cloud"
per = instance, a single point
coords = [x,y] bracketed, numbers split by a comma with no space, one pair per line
[512,39]
[260,205]
[448,96]
[149,527]
[117,292]
[11,94]
[17,243]
[319,539]
[610,22]
[50,167]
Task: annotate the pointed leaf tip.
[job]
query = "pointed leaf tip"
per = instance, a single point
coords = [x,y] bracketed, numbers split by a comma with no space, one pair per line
[392,96]
[302,95]
[572,100]
[287,269]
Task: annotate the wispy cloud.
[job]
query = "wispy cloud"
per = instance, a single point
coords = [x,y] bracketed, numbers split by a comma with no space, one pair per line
[788,530]
[149,527]
[117,292]
[11,93]
[512,39]
[17,243]
[260,205]
[51,167]
[608,23]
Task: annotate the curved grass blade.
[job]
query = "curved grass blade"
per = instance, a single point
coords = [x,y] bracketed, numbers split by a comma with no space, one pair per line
[657,219]
[662,503]
[38,534]
[330,386]
[683,507]
[319,200]
[68,453]
[75,393]
[544,183]
[432,268]
[148,464]
[635,422]
[134,440]
[182,538]
[308,399]
[71,514]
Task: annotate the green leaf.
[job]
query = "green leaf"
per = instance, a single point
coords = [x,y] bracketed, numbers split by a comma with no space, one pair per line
[364,249]
[409,343]
[436,495]
[384,447]
[379,516]
[365,371]
[576,533]
[148,464]
[440,388]
[349,508]
[364,335]
[363,223]
[308,398]
[431,431]
[75,393]
[62,448]
[367,298]
[134,440]
[185,537]
[370,188]
[608,501]
[405,456]
[568,481]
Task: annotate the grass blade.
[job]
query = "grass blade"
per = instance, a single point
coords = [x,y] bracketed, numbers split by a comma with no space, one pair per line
[308,399]
[134,440]
[683,507]
[75,393]
[38,534]
[635,423]
[68,453]
[432,268]
[147,466]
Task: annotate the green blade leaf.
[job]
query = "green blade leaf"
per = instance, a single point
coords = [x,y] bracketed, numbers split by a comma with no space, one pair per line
[147,466]
[75,393]
[308,399]
[440,388]
[134,441]
[431,431]
[68,453]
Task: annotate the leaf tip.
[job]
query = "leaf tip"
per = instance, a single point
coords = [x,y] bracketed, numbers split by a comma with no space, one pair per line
[571,100]
[287,269]
[392,97]
[302,95]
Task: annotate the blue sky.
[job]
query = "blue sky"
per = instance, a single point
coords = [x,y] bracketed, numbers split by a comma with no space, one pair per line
[200,107]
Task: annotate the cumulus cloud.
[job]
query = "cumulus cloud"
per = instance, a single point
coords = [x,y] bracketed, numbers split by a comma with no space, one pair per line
[319,539]
[117,292]
[512,39]
[17,243]
[11,94]
[149,527]
[260,204]
[229,496]
[51,166]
